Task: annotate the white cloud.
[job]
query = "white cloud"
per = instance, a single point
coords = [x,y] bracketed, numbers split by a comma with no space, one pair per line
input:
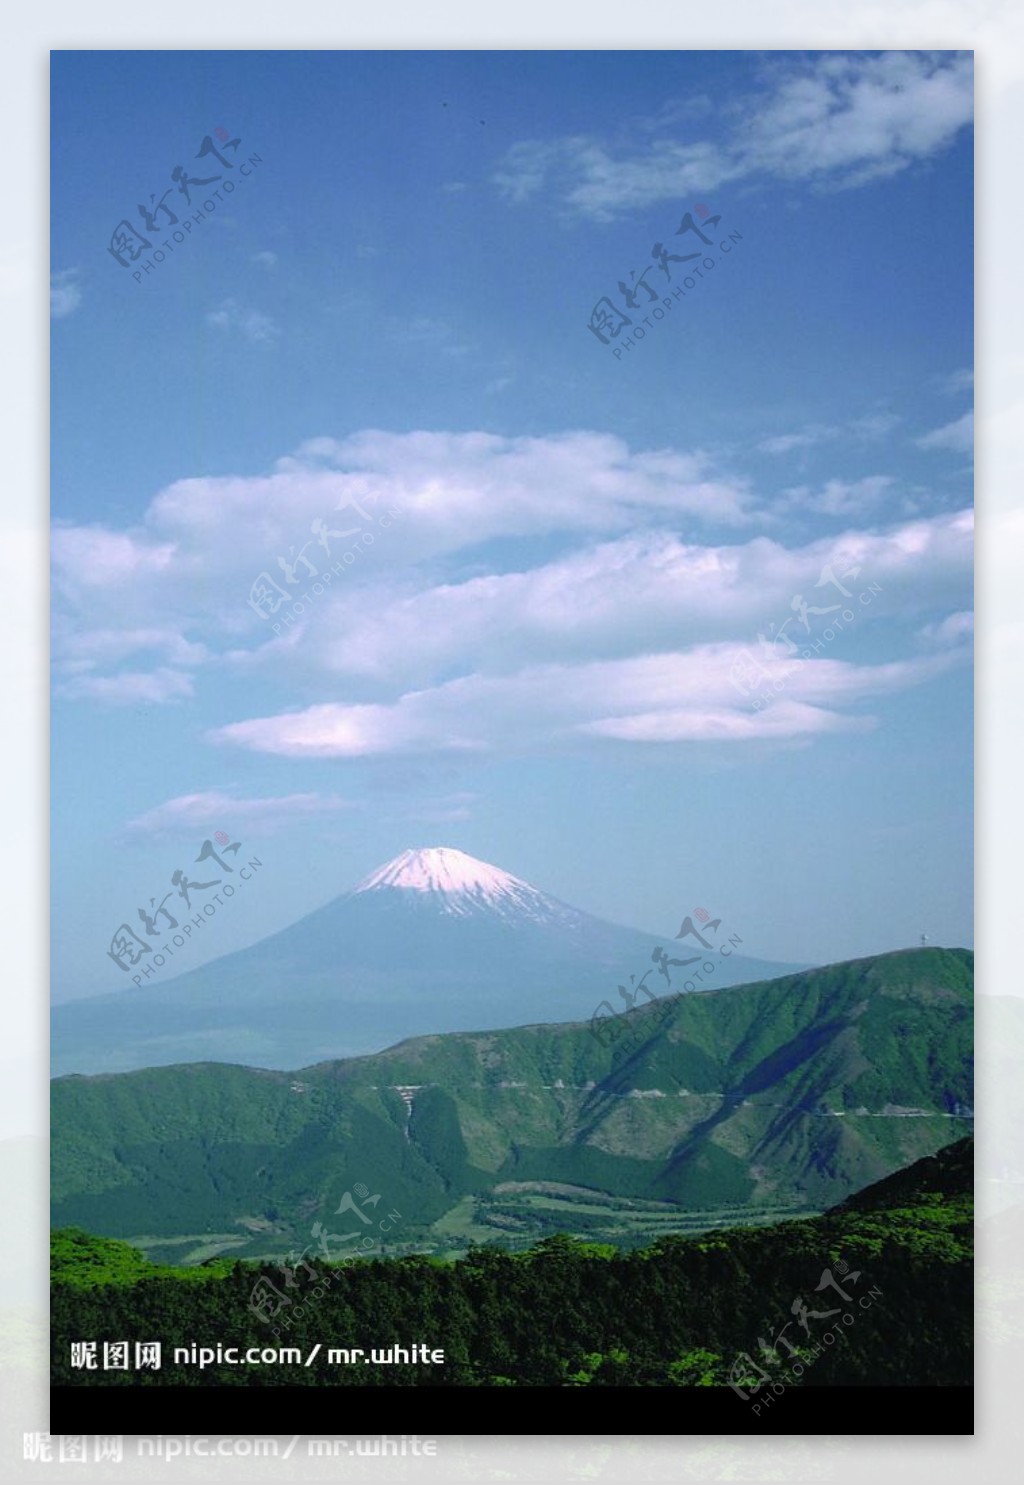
[129,688]
[953,630]
[565,652]
[852,119]
[455,491]
[90,557]
[182,576]
[597,185]
[785,443]
[251,323]
[226,810]
[265,259]
[65,293]
[874,425]
[649,698]
[611,577]
[957,436]
[866,429]
[640,593]
[842,497]
[837,119]
[956,382]
[84,649]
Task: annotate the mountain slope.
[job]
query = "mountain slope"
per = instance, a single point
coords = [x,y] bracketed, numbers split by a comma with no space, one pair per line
[784,1096]
[949,1172]
[433,941]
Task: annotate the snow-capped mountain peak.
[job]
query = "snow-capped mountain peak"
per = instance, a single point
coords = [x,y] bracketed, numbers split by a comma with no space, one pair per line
[459,884]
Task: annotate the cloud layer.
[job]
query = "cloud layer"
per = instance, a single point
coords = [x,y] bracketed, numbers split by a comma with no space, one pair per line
[211,808]
[527,593]
[670,698]
[836,121]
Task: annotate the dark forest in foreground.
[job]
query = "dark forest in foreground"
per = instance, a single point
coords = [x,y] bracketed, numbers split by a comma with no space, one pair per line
[735,1305]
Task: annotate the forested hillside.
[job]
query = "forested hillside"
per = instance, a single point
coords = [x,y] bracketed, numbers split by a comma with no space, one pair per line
[891,1283]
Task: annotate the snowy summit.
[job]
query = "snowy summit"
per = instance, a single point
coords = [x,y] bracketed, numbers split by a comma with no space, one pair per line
[460,884]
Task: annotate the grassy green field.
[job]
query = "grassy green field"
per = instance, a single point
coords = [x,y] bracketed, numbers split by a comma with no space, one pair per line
[516,1216]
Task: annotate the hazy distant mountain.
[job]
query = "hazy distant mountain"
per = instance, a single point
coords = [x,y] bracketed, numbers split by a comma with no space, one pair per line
[733,1106]
[433,941]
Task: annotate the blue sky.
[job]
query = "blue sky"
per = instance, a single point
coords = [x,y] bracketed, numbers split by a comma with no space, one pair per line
[547,655]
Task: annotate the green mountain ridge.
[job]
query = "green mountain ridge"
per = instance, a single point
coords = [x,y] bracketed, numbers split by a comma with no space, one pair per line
[736,1105]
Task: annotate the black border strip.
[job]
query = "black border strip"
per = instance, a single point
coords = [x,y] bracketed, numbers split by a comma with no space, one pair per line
[432,1411]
